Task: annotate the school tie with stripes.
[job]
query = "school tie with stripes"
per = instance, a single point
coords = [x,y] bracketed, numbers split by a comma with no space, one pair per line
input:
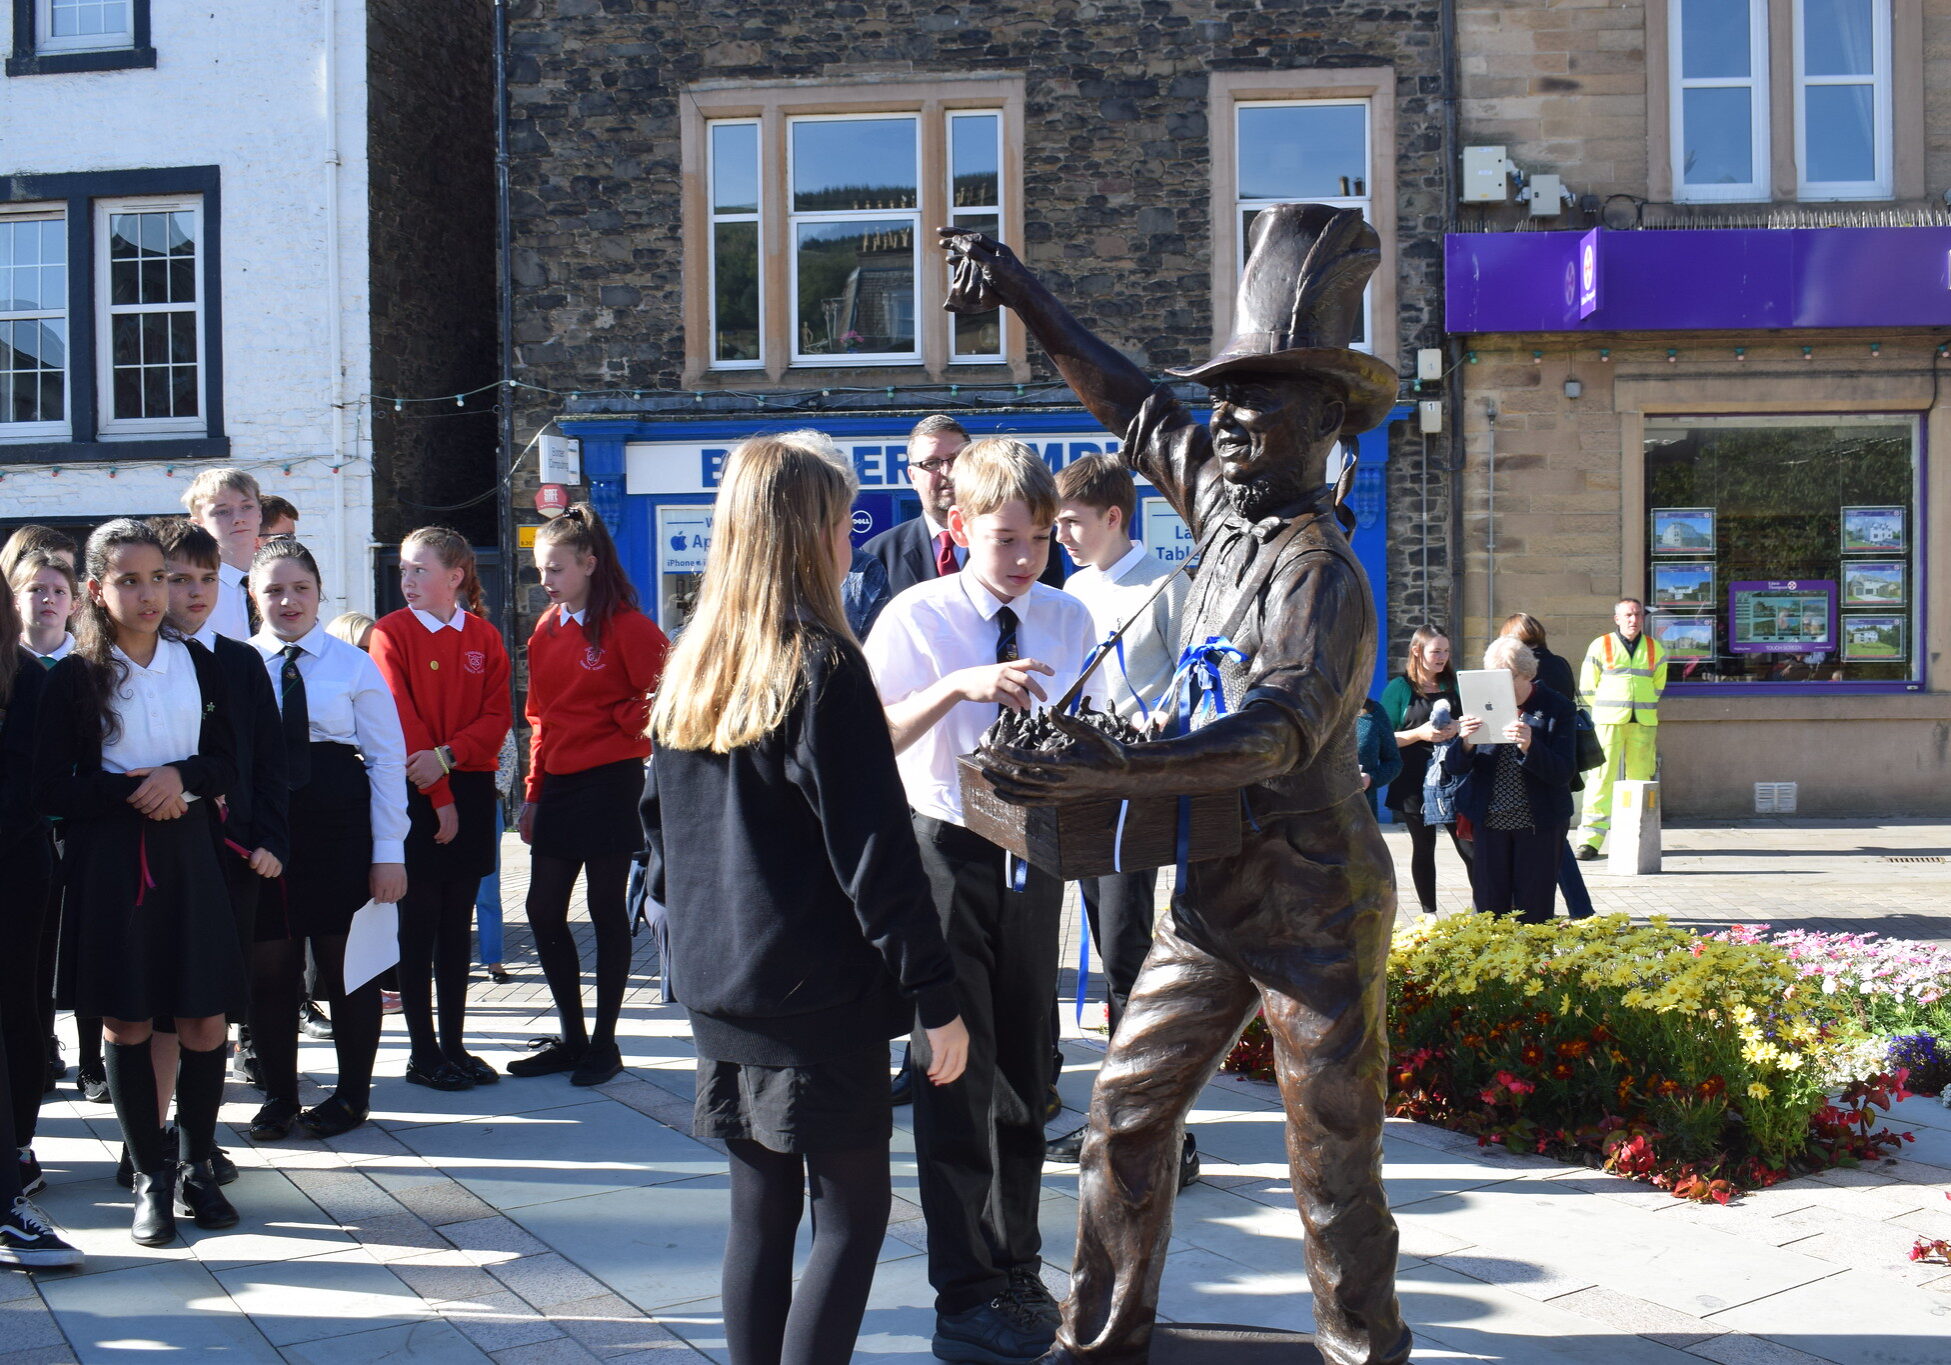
[296,717]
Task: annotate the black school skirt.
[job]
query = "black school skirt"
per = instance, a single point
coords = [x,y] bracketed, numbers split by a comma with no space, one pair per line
[591,814]
[330,873]
[830,1106]
[471,855]
[148,930]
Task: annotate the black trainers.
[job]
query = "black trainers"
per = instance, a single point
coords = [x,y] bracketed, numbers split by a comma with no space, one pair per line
[1000,1332]
[1028,1291]
[1586,853]
[600,1063]
[92,1082]
[31,1179]
[550,1056]
[57,1065]
[1188,1162]
[27,1239]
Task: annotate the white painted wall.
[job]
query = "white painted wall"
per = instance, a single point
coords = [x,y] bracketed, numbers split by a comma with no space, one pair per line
[242,87]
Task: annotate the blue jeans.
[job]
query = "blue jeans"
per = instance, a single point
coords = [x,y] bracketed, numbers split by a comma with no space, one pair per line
[1571,885]
[487,902]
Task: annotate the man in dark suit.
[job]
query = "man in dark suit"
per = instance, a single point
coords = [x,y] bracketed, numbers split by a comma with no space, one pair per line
[920,548]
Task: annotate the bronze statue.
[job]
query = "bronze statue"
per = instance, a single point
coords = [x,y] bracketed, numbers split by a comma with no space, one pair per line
[1298,923]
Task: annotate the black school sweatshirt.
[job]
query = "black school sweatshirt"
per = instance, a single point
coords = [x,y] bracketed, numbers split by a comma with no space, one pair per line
[801,926]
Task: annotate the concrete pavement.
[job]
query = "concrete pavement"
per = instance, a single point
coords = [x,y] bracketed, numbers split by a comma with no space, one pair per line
[532,1222]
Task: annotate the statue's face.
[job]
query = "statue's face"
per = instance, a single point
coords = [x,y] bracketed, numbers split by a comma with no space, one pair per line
[1272,434]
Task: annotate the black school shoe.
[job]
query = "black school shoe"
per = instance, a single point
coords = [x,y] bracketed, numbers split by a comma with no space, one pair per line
[57,1065]
[550,1056]
[477,1070]
[244,1068]
[28,1240]
[599,1064]
[443,1075]
[330,1119]
[312,1020]
[200,1198]
[1000,1332]
[155,1217]
[274,1120]
[1065,1148]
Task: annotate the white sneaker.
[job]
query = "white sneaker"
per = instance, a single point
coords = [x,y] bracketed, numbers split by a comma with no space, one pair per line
[27,1239]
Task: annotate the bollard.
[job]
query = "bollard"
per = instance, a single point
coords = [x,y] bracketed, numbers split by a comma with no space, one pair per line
[1635,835]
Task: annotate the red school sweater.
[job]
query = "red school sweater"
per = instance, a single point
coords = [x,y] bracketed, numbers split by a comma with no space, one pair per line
[589,705]
[451,687]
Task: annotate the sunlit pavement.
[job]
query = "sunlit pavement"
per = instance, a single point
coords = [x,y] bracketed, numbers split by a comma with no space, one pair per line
[535,1222]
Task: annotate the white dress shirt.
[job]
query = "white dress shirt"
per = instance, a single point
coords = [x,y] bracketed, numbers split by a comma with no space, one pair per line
[158,712]
[942,625]
[57,654]
[348,703]
[231,616]
[1151,646]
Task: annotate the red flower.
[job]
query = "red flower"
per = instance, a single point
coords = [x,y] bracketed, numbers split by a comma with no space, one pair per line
[1574,1048]
[1560,1071]
[1531,1055]
[1712,1086]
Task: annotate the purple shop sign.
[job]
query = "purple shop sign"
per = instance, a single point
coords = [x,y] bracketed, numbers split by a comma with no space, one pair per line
[1781,616]
[1588,273]
[1698,279]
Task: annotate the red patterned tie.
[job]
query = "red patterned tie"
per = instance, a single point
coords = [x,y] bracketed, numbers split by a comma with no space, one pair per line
[944,555]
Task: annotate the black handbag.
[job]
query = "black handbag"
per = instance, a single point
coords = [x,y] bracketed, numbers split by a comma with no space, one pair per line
[1591,754]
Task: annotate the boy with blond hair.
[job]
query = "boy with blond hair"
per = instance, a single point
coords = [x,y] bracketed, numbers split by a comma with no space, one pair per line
[948,654]
[227,504]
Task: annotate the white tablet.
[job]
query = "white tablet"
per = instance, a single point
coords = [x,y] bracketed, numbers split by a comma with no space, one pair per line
[1491,695]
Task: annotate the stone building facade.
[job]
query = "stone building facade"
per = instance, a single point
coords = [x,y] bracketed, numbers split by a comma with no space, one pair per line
[273,174]
[1119,169]
[1761,185]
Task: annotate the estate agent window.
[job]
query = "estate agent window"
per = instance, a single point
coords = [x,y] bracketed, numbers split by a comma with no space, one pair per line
[1785,550]
[108,326]
[848,202]
[1726,107]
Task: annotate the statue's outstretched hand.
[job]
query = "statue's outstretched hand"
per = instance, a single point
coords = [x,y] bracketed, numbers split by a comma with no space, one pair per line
[1096,766]
[986,273]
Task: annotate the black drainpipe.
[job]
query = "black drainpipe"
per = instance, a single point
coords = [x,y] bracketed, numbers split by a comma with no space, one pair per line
[1453,351]
[505,291]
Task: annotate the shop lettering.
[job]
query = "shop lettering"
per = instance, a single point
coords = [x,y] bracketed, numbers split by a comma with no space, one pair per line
[886,465]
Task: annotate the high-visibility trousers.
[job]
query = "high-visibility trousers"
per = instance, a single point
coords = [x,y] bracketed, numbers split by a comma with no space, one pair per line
[1630,751]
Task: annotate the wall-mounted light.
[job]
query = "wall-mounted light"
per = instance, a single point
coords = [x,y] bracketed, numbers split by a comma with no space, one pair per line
[1573,388]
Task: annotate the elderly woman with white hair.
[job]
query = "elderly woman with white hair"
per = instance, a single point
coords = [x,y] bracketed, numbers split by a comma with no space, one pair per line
[1517,790]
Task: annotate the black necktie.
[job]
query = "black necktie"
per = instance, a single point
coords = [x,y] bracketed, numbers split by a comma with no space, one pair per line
[297,719]
[1005,642]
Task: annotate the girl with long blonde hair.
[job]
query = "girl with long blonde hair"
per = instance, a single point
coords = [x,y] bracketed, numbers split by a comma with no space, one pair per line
[801,932]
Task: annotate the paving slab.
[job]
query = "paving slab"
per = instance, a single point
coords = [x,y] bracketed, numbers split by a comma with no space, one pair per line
[1857,1316]
[322,1296]
[420,1343]
[171,1307]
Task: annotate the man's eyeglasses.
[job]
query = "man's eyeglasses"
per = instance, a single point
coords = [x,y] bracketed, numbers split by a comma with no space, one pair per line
[935,466]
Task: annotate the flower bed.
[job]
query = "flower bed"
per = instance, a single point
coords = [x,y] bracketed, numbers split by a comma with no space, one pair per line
[1697,1063]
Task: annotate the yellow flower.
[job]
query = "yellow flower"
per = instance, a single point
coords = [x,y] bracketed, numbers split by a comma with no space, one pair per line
[1757,1091]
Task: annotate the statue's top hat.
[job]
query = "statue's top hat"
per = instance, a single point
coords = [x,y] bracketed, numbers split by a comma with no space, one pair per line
[1299,301]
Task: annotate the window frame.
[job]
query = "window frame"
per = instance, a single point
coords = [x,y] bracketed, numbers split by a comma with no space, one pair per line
[31,57]
[44,430]
[795,219]
[1376,85]
[78,193]
[1883,113]
[957,211]
[46,41]
[772,104]
[1759,109]
[109,426]
[1364,203]
[715,217]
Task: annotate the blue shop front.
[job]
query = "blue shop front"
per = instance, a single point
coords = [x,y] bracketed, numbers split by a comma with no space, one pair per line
[654,480]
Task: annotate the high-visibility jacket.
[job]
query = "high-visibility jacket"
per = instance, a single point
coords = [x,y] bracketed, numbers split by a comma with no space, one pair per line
[1622,688]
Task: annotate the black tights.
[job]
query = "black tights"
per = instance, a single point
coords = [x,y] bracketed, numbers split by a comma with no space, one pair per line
[436,920]
[277,990]
[550,882]
[1422,856]
[767,1320]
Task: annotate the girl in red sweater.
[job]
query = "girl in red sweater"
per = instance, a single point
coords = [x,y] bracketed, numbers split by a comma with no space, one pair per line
[593,662]
[448,673]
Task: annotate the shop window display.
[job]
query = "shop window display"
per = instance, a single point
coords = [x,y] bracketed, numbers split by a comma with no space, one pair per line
[1784,550]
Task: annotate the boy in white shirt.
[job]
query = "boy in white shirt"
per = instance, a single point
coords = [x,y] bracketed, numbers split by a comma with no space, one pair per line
[1114,575]
[947,654]
[227,504]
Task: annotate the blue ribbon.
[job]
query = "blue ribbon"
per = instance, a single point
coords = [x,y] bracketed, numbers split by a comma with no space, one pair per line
[1116,642]
[1197,680]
